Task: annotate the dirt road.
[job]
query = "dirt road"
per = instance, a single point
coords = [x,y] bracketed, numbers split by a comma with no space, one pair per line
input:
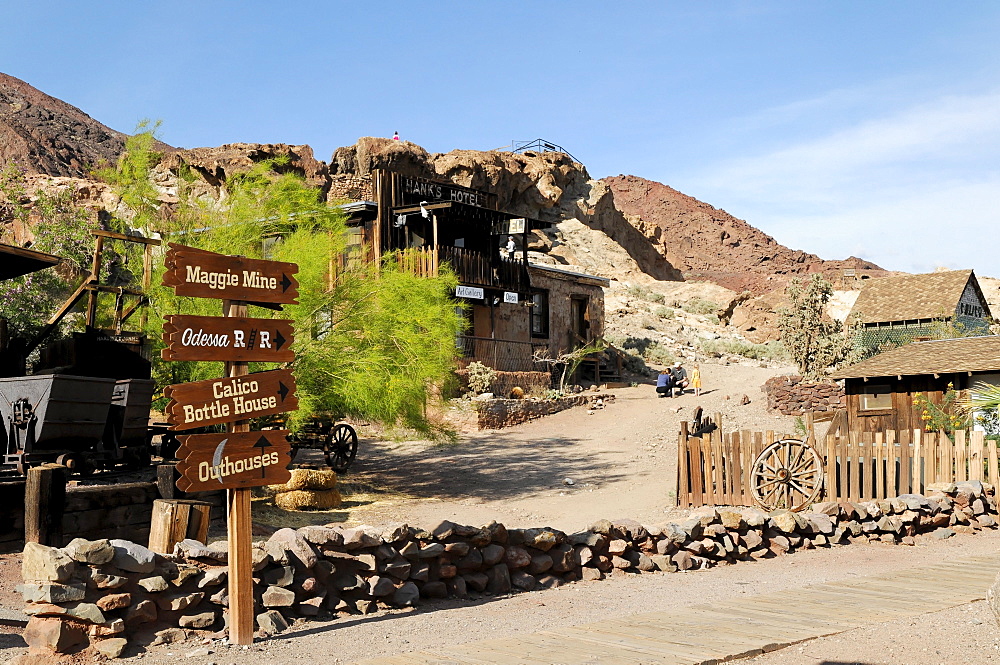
[621,461]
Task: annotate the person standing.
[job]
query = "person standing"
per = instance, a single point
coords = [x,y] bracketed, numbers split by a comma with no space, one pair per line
[511,247]
[696,380]
[395,136]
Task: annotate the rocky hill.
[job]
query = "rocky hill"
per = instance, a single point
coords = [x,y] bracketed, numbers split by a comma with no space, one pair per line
[706,243]
[662,250]
[47,136]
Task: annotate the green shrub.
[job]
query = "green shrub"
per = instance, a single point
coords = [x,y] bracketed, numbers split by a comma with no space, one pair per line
[480,377]
[639,291]
[664,312]
[737,347]
[698,305]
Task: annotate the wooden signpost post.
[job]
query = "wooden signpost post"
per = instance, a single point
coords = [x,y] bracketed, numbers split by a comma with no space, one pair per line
[239,459]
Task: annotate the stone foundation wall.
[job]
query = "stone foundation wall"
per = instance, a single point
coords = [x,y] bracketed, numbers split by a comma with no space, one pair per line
[351,187]
[500,413]
[110,594]
[533,383]
[792,396]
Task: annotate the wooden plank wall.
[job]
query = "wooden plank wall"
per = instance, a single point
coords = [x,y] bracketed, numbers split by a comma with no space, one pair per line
[714,470]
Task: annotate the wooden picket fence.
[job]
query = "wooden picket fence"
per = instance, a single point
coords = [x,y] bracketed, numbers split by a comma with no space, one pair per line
[715,469]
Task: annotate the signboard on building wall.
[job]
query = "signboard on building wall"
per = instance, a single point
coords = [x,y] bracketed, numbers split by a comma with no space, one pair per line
[415,190]
[516,225]
[510,297]
[469,292]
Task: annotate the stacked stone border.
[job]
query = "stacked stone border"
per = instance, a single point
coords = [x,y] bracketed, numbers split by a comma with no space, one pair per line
[500,413]
[109,595]
[792,396]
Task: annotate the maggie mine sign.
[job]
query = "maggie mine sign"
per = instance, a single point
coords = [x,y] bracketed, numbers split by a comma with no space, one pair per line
[195,272]
[227,338]
[223,400]
[233,460]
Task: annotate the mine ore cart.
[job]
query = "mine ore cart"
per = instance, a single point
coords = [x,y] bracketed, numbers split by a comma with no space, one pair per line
[81,422]
[87,405]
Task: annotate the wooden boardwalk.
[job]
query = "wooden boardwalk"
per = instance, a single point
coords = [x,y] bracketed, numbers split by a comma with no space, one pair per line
[743,627]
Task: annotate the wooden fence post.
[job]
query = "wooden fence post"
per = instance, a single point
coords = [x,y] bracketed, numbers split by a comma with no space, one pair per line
[683,498]
[174,520]
[44,503]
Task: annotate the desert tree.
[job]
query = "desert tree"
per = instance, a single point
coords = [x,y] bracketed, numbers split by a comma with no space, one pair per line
[814,341]
[372,340]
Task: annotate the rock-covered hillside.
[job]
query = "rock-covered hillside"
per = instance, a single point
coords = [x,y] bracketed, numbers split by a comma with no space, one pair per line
[706,243]
[45,135]
[662,250]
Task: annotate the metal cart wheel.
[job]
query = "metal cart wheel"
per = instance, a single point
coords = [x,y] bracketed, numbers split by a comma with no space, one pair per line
[787,474]
[340,447]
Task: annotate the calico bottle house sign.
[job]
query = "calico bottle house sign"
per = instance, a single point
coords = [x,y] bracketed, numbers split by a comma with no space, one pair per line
[218,401]
[239,459]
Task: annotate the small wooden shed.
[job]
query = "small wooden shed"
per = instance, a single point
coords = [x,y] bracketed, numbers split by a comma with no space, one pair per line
[881,389]
[896,310]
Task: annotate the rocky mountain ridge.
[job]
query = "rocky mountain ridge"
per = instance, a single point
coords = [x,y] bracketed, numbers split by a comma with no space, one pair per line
[45,135]
[659,246]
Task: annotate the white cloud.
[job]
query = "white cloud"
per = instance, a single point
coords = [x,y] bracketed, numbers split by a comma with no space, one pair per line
[900,146]
[954,225]
[910,191]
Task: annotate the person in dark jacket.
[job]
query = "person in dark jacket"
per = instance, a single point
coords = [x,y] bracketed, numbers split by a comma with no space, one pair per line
[680,379]
[664,384]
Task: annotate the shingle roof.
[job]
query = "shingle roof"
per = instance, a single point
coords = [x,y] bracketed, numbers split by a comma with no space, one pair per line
[908,297]
[937,356]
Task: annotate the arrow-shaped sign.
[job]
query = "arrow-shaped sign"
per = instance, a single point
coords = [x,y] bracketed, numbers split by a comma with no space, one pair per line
[227,338]
[217,401]
[241,459]
[203,274]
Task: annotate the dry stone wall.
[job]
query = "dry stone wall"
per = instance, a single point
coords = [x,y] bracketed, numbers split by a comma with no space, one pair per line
[792,396]
[111,594]
[500,413]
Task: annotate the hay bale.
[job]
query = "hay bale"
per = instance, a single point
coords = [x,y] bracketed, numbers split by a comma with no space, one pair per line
[307,479]
[308,499]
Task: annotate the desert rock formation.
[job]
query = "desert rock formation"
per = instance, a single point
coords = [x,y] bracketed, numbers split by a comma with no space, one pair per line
[47,136]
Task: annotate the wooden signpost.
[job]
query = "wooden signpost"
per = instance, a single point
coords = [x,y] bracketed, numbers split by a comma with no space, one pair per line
[217,401]
[230,461]
[230,338]
[195,272]
[239,459]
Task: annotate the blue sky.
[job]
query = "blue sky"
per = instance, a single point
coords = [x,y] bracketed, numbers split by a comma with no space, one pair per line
[864,128]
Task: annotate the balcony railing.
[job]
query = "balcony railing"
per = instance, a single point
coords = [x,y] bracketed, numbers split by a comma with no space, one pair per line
[501,354]
[472,268]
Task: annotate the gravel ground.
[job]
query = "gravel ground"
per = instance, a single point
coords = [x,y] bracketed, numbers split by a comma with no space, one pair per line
[622,461]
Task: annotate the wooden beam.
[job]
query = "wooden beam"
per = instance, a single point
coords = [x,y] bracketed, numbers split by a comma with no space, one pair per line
[44,503]
[100,233]
[428,206]
[239,523]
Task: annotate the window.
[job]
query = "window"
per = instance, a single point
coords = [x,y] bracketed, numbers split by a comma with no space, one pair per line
[540,314]
[876,397]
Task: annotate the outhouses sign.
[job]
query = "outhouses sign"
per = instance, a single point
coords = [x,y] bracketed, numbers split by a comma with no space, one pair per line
[234,460]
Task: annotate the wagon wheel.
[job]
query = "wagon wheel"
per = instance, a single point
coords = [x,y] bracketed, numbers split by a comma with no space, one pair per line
[787,474]
[340,447]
